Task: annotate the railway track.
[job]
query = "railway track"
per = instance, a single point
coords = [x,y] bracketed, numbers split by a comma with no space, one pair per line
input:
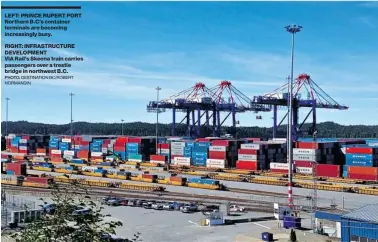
[256,206]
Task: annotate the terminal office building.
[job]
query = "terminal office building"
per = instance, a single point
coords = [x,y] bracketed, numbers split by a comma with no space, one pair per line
[359,225]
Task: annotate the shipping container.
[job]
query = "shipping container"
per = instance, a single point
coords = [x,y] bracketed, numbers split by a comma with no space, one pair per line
[220,142]
[218,148]
[252,146]
[299,163]
[298,151]
[251,157]
[313,158]
[360,150]
[280,166]
[183,161]
[247,165]
[216,163]
[18,169]
[248,152]
[365,177]
[328,170]
[363,170]
[217,155]
[40,180]
[304,170]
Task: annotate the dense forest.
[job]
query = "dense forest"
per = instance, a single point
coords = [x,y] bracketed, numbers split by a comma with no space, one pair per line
[327,129]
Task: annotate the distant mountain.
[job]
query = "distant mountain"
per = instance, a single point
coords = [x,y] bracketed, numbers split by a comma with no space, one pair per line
[326,129]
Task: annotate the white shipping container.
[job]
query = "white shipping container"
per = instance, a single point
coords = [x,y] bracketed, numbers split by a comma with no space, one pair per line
[23,147]
[251,157]
[252,146]
[177,152]
[66,140]
[164,151]
[56,152]
[183,161]
[69,152]
[157,162]
[38,159]
[306,157]
[303,170]
[23,141]
[218,148]
[297,151]
[216,163]
[279,166]
[41,153]
[96,154]
[178,144]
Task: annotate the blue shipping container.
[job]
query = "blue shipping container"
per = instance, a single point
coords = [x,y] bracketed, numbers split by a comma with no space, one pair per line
[194,180]
[359,157]
[132,145]
[352,162]
[199,155]
[202,144]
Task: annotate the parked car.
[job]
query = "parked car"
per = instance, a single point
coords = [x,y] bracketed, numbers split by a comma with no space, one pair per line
[106,199]
[140,203]
[236,208]
[49,208]
[157,206]
[189,208]
[132,203]
[168,206]
[81,211]
[123,202]
[114,202]
[147,205]
[210,208]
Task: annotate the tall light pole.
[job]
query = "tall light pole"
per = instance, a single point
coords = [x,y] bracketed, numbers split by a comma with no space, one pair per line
[6,117]
[157,118]
[293,29]
[122,125]
[71,94]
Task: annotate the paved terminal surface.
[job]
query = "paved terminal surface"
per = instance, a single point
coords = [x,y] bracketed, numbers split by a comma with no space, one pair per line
[173,226]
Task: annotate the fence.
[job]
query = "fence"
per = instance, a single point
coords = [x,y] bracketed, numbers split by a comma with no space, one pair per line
[11,203]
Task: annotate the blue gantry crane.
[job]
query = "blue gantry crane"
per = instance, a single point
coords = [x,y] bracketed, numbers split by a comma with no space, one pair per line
[200,103]
[314,98]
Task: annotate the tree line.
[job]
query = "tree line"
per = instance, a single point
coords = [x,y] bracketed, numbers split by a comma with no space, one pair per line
[325,130]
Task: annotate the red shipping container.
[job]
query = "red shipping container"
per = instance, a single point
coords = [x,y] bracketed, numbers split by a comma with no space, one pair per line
[119,148]
[217,155]
[14,149]
[23,151]
[247,165]
[25,137]
[83,154]
[279,171]
[163,146]
[19,157]
[301,163]
[248,152]
[106,142]
[18,168]
[176,178]
[220,142]
[366,177]
[148,176]
[4,156]
[328,170]
[363,170]
[135,140]
[40,150]
[359,150]
[158,157]
[307,145]
[56,159]
[40,180]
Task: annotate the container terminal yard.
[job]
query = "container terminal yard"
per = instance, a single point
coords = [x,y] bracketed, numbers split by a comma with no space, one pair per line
[328,175]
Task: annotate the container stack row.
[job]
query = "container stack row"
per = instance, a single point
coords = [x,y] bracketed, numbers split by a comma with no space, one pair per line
[361,162]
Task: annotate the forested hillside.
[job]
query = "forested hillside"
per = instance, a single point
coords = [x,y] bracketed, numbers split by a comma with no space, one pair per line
[327,129]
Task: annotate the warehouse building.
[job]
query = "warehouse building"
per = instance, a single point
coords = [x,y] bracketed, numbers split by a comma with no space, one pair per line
[360,225]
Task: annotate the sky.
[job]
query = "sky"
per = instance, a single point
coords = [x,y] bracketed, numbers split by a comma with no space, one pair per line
[129,48]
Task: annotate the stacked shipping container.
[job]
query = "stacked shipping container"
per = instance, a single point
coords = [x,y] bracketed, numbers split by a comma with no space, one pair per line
[361,162]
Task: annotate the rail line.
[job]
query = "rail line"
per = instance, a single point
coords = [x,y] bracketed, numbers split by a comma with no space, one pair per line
[250,205]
